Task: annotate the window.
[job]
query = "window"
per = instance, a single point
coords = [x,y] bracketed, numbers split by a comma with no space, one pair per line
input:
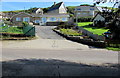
[53,19]
[44,20]
[78,9]
[58,19]
[78,13]
[18,19]
[26,19]
[37,21]
[84,13]
[64,19]
[91,8]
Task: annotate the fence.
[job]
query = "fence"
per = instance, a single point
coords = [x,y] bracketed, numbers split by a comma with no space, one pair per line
[93,36]
[29,30]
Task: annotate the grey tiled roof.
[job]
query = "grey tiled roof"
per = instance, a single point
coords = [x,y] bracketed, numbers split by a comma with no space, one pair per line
[55,15]
[54,7]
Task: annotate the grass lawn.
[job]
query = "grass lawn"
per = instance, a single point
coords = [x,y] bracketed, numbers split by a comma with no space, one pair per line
[6,29]
[114,49]
[70,32]
[94,30]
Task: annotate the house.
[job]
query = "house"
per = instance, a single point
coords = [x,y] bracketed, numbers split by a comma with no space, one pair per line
[37,14]
[35,18]
[99,17]
[38,11]
[17,19]
[56,13]
[87,11]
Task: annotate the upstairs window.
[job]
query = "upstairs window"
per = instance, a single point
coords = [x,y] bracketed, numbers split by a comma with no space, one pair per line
[18,19]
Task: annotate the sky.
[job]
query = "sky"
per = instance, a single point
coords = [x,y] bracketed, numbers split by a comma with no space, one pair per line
[10,5]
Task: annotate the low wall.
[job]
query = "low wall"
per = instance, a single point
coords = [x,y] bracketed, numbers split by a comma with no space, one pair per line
[83,41]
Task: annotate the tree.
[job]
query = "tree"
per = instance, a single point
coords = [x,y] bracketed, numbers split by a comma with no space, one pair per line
[112,18]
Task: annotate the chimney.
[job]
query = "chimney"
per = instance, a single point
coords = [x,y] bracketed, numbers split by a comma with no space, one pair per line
[54,3]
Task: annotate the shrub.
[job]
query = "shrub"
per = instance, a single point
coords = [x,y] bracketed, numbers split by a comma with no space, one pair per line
[25,24]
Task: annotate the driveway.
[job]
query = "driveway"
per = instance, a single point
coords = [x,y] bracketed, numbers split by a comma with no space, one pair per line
[46,32]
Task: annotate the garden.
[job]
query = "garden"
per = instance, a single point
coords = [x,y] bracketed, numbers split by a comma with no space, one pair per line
[8,32]
[70,32]
[94,30]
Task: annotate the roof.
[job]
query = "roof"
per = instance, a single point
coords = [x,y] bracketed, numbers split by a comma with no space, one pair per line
[99,13]
[35,15]
[54,7]
[37,9]
[21,13]
[34,11]
[55,15]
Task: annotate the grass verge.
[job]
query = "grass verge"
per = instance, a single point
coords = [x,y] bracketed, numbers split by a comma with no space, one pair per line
[112,48]
[15,30]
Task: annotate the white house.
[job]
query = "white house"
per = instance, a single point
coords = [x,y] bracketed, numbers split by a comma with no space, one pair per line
[87,11]
[57,13]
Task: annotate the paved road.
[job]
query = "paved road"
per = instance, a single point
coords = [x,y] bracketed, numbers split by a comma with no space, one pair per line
[36,62]
[46,32]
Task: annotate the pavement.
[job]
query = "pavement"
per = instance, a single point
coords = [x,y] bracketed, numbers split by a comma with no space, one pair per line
[53,55]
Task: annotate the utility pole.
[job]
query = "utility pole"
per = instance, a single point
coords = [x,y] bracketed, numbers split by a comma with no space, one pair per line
[24,9]
[76,17]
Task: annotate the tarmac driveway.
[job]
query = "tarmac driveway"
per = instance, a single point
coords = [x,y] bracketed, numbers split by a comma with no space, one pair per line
[46,32]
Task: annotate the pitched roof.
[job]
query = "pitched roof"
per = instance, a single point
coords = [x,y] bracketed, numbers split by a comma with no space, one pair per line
[54,7]
[21,13]
[55,15]
[35,10]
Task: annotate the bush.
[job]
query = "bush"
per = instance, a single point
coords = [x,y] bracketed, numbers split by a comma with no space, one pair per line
[25,24]
[65,25]
[83,19]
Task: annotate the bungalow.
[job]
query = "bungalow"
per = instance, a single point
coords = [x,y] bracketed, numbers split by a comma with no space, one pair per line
[35,18]
[17,19]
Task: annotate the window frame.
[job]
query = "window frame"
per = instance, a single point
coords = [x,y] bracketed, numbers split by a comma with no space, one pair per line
[18,18]
[24,19]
